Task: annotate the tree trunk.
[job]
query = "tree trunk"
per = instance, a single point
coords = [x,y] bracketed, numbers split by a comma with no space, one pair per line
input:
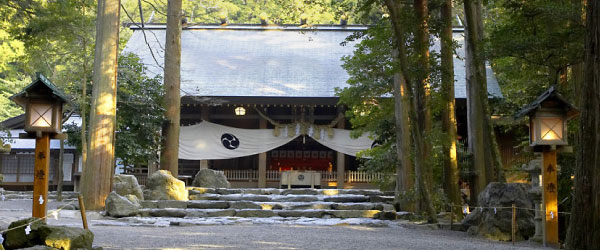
[451,172]
[404,171]
[584,228]
[416,133]
[485,165]
[83,104]
[422,87]
[170,149]
[97,175]
[61,159]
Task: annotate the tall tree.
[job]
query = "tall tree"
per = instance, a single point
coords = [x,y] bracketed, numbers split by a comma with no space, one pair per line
[584,229]
[170,150]
[396,9]
[404,167]
[97,174]
[481,139]
[422,82]
[448,116]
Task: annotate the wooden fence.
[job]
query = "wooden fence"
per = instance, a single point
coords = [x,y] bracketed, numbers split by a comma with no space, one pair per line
[350,176]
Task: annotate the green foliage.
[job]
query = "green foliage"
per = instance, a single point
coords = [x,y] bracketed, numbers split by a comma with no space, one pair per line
[531,43]
[249,11]
[8,88]
[370,89]
[140,114]
[50,37]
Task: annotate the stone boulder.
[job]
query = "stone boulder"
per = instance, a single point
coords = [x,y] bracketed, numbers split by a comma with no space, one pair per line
[163,186]
[18,238]
[66,238]
[127,184]
[122,206]
[210,179]
[42,236]
[496,225]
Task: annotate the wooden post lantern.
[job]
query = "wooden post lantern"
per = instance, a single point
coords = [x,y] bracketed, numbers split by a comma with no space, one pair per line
[43,118]
[548,116]
[43,103]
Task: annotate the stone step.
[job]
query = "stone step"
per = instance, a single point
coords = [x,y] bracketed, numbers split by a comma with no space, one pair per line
[260,213]
[275,191]
[283,205]
[23,195]
[351,198]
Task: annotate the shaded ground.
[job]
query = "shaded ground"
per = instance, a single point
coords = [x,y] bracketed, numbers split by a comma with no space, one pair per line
[248,235]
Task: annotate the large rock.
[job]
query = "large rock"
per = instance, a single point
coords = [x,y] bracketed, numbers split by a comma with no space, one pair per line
[42,236]
[18,238]
[127,184]
[496,225]
[163,186]
[122,206]
[66,238]
[210,179]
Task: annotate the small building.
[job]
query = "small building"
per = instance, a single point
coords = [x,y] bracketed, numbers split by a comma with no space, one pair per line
[278,76]
[17,165]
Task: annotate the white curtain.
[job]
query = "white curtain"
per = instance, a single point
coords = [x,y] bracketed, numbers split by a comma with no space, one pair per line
[342,142]
[210,141]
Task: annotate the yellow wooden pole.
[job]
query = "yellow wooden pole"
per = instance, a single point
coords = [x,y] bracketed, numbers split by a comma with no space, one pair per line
[82,210]
[514,223]
[550,184]
[41,171]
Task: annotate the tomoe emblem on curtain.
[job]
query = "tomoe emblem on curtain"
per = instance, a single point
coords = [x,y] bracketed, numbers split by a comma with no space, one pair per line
[230,141]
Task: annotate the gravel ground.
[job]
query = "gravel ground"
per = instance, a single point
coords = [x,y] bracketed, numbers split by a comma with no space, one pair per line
[265,236]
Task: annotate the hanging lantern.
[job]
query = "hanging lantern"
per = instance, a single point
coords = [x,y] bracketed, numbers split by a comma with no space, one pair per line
[240,111]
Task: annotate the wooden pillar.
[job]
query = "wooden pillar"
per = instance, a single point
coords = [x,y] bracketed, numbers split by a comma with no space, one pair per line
[41,172]
[205,116]
[341,160]
[262,161]
[550,197]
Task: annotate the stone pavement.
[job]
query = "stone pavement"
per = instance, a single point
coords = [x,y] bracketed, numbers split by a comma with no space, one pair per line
[257,233]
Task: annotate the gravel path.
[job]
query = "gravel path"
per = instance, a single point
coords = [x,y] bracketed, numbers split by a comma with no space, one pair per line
[266,236]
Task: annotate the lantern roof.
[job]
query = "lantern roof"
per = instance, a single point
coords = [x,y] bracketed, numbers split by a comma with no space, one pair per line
[550,99]
[40,87]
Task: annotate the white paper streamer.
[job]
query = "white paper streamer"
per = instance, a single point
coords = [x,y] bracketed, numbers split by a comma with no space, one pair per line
[27,229]
[1,239]
[494,210]
[54,214]
[41,200]
[552,214]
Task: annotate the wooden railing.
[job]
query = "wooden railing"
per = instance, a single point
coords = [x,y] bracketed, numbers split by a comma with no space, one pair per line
[362,177]
[241,175]
[273,175]
[329,176]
